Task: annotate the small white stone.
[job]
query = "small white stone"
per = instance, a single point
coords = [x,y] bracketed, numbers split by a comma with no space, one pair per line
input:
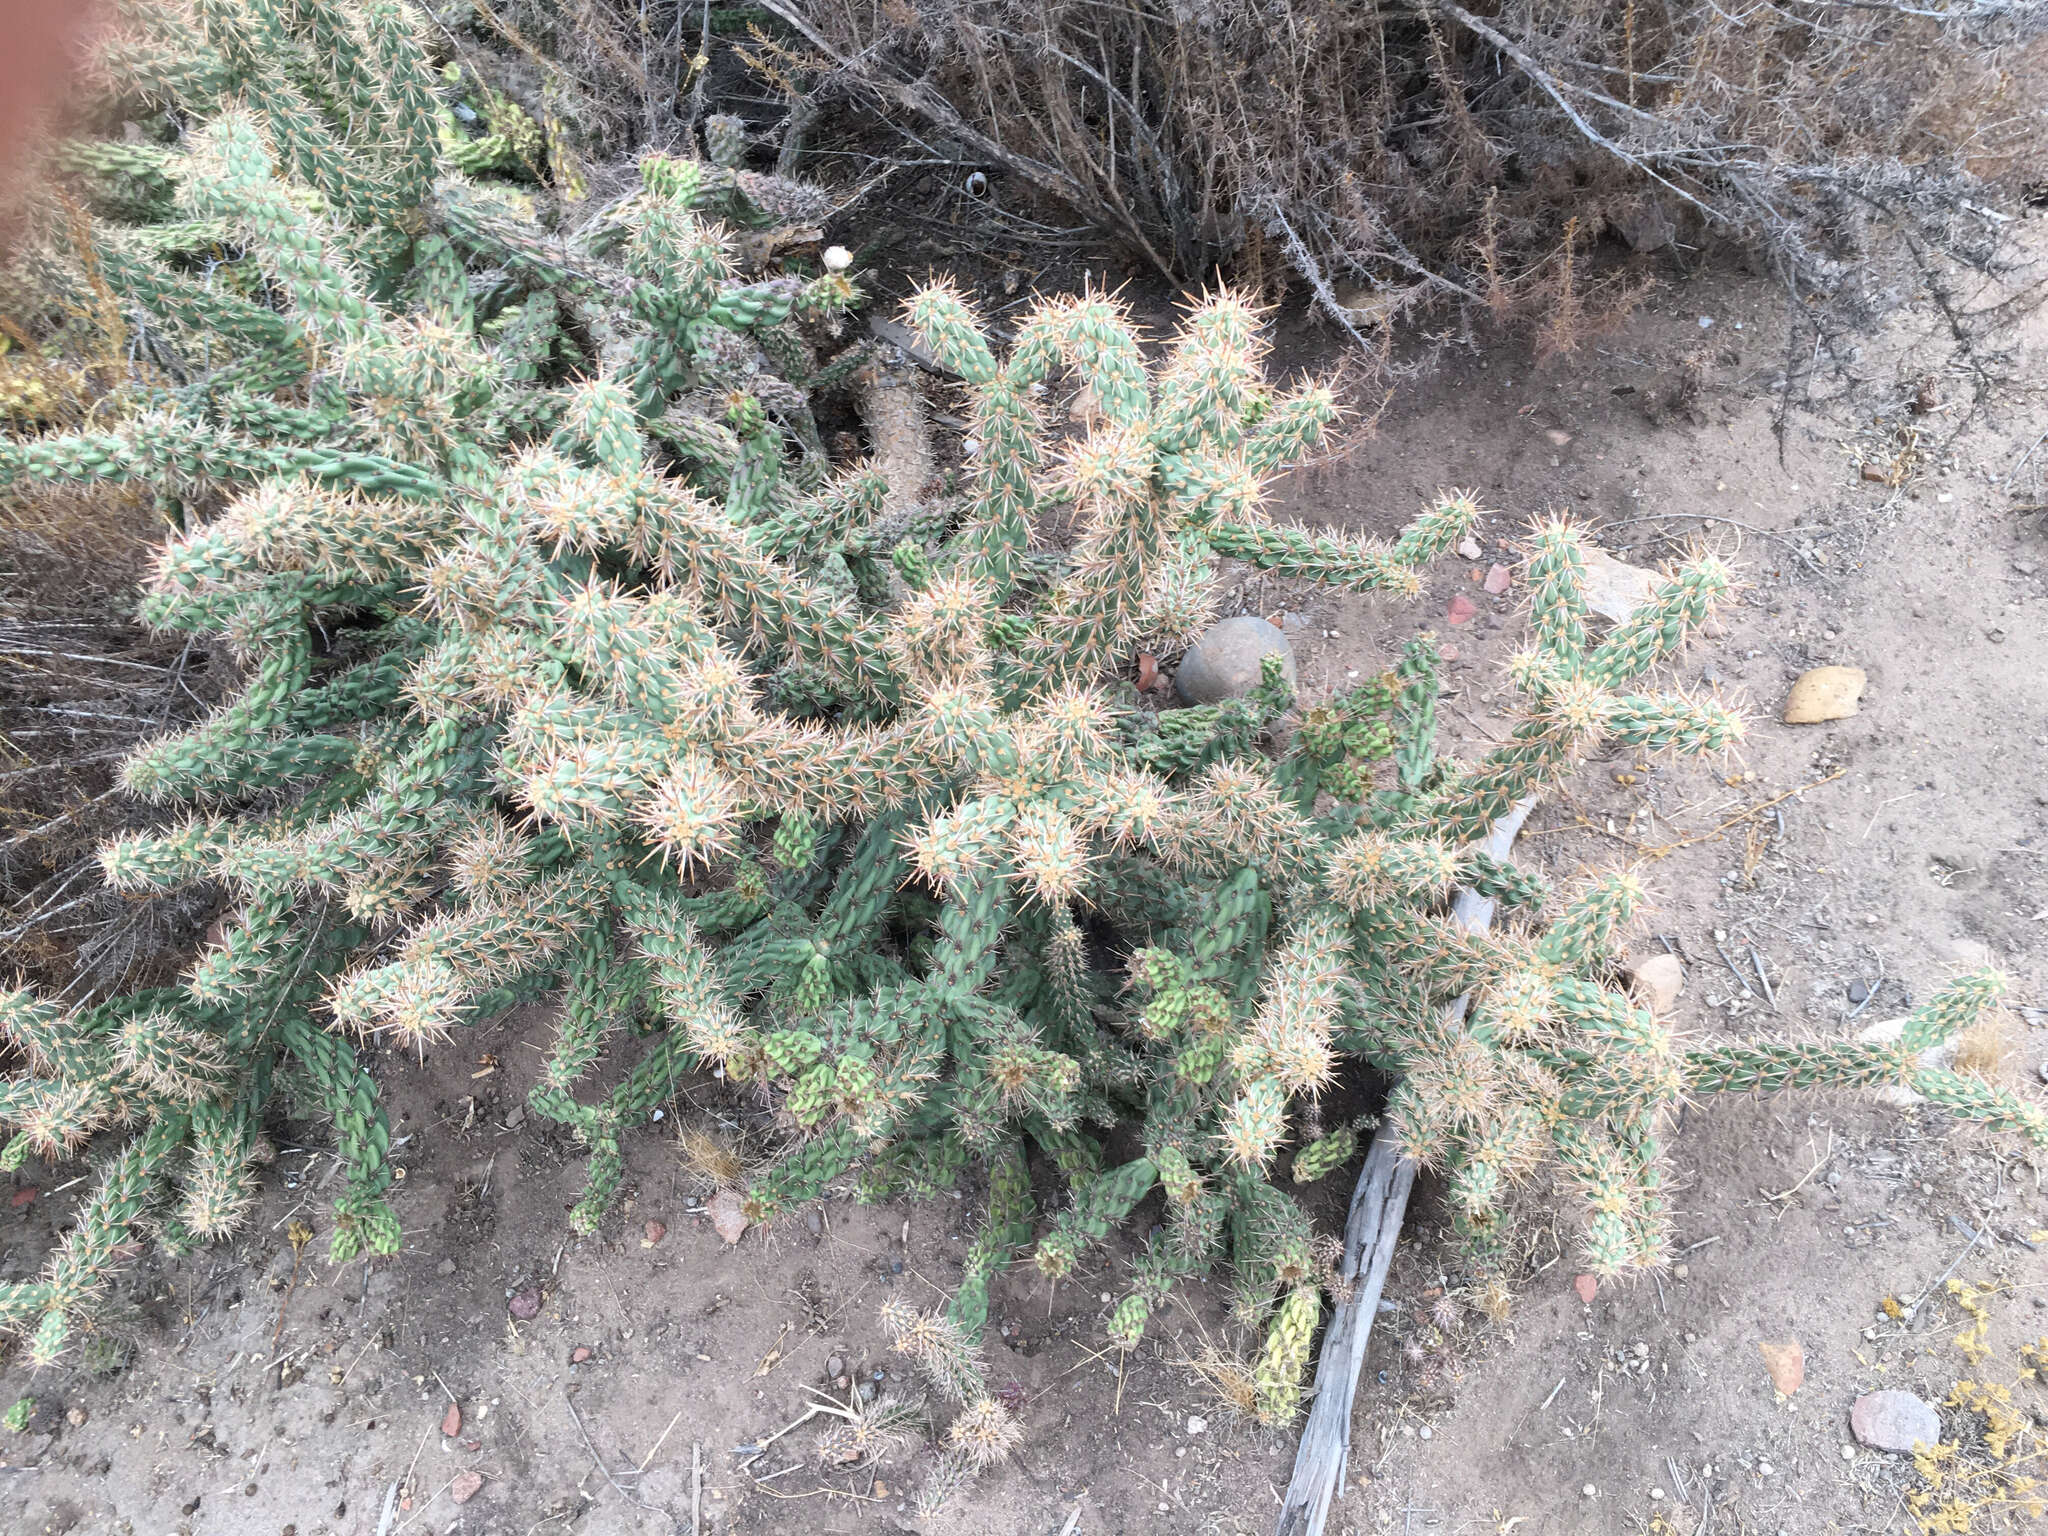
[1848,1453]
[1106,1298]
[1426,1432]
[1469,547]
[1590,1491]
[1765,1469]
[837,258]
[1197,1424]
[1656,1494]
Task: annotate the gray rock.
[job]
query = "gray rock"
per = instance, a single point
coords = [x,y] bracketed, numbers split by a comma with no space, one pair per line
[1224,663]
[1894,1421]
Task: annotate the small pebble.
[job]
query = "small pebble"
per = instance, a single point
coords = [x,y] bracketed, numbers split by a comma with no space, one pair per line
[1858,992]
[579,1354]
[1590,1491]
[1197,1424]
[814,1223]
[1426,1432]
[445,1267]
[653,1232]
[525,1305]
[1656,1494]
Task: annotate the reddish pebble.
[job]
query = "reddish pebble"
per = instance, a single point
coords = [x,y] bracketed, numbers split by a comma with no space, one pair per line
[1148,671]
[467,1485]
[654,1232]
[579,1354]
[1449,653]
[1586,1285]
[21,1198]
[525,1305]
[1498,578]
[1786,1362]
[451,1421]
[1462,609]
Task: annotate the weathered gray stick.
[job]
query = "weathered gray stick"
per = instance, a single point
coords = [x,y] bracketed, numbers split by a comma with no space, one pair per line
[1379,1202]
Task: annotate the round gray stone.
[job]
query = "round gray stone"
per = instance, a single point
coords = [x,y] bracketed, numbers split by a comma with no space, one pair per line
[1225,662]
[1894,1421]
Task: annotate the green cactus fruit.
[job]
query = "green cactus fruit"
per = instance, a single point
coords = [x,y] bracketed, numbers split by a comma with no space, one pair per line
[1325,1155]
[1283,1363]
[725,139]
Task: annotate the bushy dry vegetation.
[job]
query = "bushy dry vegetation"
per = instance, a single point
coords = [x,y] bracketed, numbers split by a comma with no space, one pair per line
[1401,155]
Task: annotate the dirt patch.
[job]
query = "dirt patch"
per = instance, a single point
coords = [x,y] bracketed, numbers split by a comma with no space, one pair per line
[269,1392]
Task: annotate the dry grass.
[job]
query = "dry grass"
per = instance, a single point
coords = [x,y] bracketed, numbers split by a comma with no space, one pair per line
[1986,1048]
[715,1162]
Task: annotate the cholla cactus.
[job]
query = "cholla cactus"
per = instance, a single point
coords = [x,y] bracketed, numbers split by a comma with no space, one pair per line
[429,336]
[635,696]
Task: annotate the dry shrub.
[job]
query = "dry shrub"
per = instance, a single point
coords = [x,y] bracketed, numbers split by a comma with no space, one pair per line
[1396,156]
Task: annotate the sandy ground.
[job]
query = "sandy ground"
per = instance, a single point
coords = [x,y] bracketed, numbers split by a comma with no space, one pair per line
[295,1399]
